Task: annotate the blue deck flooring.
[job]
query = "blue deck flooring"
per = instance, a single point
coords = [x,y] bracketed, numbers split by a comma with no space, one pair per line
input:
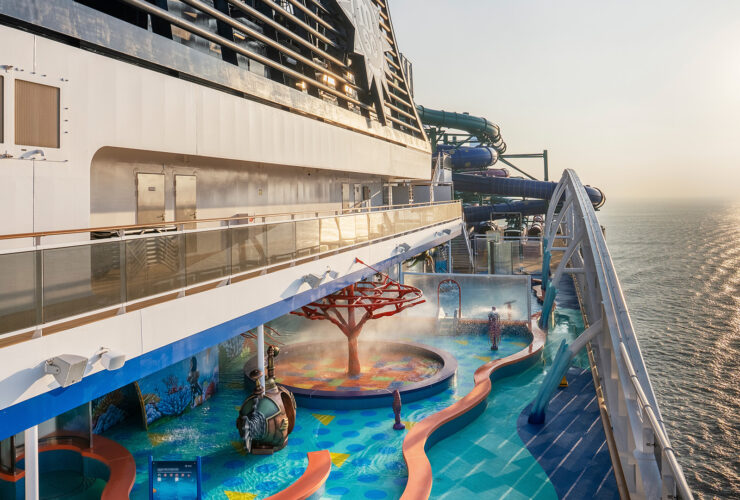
[571,446]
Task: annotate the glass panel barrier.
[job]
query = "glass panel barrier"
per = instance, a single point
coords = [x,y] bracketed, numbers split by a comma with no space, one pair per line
[509,294]
[329,234]
[206,255]
[248,250]
[346,230]
[501,261]
[154,265]
[375,224]
[280,242]
[389,222]
[18,292]
[81,279]
[361,227]
[307,237]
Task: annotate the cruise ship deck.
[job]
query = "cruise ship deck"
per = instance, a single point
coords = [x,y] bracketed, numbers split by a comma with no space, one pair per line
[242,263]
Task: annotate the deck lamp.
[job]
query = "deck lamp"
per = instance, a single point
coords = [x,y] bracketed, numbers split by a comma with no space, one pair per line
[110,359]
[67,369]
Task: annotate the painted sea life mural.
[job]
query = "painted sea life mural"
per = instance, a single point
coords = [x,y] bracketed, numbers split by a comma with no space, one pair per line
[187,384]
[114,407]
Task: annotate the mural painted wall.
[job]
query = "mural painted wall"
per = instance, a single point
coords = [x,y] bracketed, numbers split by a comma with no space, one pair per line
[115,407]
[184,385]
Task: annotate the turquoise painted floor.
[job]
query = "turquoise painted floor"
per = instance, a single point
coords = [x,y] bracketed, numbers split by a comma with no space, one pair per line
[487,457]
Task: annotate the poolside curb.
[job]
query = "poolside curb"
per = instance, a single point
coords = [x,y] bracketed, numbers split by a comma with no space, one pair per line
[120,463]
[312,479]
[456,416]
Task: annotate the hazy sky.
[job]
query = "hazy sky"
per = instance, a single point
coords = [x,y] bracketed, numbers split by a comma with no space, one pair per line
[642,98]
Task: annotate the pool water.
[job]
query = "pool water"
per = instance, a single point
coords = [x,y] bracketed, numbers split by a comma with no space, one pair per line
[69,485]
[365,450]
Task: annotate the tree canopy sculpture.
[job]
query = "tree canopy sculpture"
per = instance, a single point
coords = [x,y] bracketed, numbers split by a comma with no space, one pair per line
[350,308]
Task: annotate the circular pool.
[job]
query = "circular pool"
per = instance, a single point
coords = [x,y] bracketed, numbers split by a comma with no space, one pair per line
[316,373]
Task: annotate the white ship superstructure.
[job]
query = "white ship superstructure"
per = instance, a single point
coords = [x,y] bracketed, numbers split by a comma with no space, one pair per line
[175,173]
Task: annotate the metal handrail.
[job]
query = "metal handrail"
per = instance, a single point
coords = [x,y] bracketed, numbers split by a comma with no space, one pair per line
[617,316]
[657,426]
[155,225]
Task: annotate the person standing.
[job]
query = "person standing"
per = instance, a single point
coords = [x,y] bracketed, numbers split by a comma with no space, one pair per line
[494,328]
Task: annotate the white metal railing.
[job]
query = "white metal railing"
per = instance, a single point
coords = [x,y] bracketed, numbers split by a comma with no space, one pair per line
[50,283]
[646,457]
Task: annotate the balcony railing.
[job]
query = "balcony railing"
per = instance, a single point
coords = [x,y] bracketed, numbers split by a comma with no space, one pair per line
[646,464]
[114,269]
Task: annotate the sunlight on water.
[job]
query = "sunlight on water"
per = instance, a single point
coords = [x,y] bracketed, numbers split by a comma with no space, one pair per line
[679,265]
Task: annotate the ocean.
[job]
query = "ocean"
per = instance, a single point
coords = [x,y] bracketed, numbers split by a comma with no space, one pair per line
[679,266]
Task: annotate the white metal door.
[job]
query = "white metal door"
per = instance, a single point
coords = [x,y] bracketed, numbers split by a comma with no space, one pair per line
[149,198]
[185,197]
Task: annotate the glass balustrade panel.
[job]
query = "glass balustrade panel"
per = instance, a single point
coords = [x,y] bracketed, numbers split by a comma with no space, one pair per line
[154,265]
[248,248]
[81,279]
[307,237]
[18,292]
[280,242]
[207,255]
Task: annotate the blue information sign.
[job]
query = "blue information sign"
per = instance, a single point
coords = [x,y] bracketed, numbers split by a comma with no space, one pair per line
[174,479]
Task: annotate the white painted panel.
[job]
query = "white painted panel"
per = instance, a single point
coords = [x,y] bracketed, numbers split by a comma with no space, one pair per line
[113,103]
[16,199]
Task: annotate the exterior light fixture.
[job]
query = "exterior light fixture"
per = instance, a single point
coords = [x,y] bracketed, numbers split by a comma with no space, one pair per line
[110,359]
[67,369]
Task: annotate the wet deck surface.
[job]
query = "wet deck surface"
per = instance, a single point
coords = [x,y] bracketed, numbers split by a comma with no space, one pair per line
[571,445]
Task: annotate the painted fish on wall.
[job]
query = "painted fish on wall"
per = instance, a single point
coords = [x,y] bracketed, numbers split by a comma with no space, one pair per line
[184,385]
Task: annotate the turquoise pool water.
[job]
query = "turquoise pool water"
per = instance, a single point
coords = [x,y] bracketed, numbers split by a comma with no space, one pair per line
[366,451]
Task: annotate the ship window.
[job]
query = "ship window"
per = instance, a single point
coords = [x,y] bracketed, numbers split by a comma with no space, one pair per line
[36,114]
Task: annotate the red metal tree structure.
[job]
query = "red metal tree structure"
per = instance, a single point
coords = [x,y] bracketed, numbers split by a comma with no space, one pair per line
[350,308]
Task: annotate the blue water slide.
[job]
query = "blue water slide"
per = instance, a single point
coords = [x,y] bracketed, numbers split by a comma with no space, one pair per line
[474,215]
[480,157]
[484,130]
[469,158]
[505,186]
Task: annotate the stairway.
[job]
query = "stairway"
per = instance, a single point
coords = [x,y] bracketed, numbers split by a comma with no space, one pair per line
[461,254]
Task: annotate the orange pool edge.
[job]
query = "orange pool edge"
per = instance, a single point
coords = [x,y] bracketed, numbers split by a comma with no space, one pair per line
[313,478]
[118,459]
[420,479]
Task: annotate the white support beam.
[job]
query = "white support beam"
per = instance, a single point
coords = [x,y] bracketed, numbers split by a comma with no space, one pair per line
[31,447]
